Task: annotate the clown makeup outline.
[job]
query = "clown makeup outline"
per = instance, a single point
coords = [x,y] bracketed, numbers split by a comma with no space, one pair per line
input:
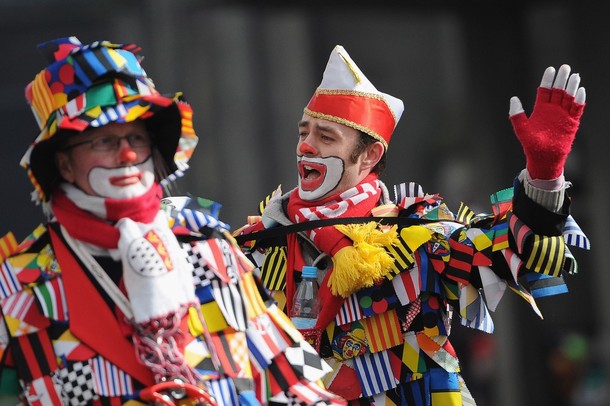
[118,173]
[124,182]
[318,176]
[329,159]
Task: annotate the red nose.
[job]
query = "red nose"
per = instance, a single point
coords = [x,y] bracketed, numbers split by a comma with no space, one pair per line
[128,155]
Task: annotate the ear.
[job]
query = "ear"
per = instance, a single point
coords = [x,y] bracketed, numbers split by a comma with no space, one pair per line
[64,165]
[372,155]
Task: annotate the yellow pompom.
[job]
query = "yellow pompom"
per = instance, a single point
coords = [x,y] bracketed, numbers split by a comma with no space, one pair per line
[365,262]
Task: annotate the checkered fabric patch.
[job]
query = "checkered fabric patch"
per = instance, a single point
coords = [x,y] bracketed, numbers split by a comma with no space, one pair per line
[202,274]
[288,399]
[306,361]
[76,381]
[281,399]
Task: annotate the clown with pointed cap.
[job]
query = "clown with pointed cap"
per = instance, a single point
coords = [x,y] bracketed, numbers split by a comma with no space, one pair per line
[393,269]
[124,297]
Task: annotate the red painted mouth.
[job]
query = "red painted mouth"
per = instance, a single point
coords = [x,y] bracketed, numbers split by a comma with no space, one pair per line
[126,180]
[312,175]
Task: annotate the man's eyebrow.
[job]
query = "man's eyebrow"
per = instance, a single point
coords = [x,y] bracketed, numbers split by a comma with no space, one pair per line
[320,127]
[328,128]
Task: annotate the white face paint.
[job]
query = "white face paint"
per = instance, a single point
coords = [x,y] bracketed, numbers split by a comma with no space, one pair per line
[318,176]
[123,183]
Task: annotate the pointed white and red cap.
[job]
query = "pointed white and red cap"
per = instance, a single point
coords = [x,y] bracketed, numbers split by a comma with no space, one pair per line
[347,97]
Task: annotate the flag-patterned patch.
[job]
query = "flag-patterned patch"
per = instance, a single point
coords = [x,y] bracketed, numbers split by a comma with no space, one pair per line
[109,380]
[273,270]
[52,299]
[375,373]
[224,391]
[42,392]
[306,361]
[76,380]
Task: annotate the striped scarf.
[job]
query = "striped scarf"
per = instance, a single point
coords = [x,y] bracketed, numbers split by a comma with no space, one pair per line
[355,202]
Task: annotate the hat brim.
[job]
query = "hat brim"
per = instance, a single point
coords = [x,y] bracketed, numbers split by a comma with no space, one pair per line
[164,123]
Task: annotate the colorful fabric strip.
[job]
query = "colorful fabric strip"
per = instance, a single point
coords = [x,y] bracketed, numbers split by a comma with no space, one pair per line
[224,392]
[273,270]
[42,392]
[108,379]
[34,357]
[52,299]
[574,236]
[375,373]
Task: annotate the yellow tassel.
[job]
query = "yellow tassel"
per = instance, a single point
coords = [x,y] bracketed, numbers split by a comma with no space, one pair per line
[365,262]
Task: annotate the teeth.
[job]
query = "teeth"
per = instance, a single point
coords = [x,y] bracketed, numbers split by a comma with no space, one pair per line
[309,168]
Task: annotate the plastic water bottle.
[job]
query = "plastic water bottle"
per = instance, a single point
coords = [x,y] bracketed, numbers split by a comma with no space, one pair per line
[306,303]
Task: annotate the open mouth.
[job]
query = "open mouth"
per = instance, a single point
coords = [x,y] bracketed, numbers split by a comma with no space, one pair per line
[312,175]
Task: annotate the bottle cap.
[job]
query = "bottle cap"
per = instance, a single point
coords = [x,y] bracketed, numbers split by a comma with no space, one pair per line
[309,272]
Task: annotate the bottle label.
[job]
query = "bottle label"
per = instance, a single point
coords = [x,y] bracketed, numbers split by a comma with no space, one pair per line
[303,322]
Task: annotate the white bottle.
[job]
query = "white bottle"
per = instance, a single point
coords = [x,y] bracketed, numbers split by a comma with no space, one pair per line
[306,303]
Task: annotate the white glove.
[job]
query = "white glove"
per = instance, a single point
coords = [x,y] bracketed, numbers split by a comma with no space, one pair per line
[156,272]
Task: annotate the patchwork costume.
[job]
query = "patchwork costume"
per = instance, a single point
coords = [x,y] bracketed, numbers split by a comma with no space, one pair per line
[396,268]
[129,301]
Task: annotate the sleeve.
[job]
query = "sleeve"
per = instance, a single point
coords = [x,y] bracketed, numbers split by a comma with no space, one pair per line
[28,357]
[521,247]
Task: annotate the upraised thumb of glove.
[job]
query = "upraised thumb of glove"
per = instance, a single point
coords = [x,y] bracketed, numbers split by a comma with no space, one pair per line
[547,135]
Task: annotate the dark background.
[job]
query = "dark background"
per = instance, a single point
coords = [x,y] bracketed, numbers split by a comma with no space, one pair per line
[249,68]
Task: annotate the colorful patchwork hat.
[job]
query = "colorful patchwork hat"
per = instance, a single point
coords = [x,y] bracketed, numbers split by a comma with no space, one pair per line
[88,86]
[347,97]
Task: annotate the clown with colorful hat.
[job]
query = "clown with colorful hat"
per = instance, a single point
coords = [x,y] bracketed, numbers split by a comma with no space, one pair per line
[394,270]
[124,296]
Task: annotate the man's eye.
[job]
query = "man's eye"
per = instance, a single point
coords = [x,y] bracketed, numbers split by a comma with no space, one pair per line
[140,138]
[110,140]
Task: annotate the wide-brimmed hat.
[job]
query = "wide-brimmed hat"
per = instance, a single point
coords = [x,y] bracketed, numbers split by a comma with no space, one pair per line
[346,96]
[89,86]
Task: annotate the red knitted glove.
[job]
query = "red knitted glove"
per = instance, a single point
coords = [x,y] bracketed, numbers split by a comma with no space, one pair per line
[547,135]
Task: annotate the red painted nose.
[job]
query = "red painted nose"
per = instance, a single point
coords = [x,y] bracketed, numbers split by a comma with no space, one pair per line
[128,155]
[306,148]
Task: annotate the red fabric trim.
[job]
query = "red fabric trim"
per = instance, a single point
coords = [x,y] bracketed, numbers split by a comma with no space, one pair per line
[30,357]
[372,114]
[90,318]
[84,226]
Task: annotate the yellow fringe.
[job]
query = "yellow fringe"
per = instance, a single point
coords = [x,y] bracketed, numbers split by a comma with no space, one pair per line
[365,262]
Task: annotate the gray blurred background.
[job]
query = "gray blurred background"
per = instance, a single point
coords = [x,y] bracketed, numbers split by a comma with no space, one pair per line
[249,68]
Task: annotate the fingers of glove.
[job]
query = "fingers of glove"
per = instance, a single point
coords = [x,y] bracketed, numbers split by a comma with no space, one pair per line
[578,106]
[581,96]
[547,77]
[573,83]
[562,77]
[515,106]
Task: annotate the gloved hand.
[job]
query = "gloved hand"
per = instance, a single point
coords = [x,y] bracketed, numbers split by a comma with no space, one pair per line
[547,135]
[156,272]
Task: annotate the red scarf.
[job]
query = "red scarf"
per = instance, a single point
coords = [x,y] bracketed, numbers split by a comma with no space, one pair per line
[86,227]
[355,202]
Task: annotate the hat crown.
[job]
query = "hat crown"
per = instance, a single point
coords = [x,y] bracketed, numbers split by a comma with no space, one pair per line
[74,69]
[346,96]
[343,73]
